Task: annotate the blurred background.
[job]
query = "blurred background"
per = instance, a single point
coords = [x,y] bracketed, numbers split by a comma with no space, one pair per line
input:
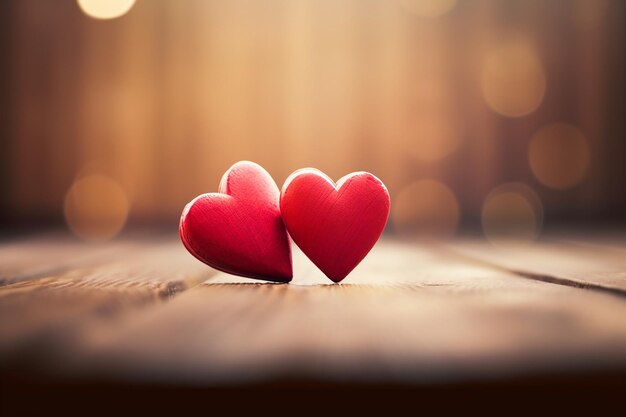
[501,116]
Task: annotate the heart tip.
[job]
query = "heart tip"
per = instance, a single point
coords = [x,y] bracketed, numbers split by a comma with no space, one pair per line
[281,280]
[337,280]
[282,277]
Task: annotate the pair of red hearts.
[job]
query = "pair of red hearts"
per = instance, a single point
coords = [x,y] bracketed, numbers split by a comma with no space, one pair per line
[243,229]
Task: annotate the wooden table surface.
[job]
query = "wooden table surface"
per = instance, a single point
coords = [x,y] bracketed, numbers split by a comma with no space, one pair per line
[460,315]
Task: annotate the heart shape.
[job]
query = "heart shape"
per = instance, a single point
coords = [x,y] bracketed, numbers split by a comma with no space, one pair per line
[335,226]
[239,229]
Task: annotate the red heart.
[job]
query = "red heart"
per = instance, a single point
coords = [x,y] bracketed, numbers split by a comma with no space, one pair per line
[239,230]
[335,226]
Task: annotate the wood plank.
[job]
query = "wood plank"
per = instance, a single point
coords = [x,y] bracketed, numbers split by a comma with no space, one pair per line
[613,242]
[591,265]
[54,253]
[408,313]
[55,309]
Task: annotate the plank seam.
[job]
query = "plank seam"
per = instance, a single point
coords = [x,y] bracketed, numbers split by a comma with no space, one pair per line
[548,278]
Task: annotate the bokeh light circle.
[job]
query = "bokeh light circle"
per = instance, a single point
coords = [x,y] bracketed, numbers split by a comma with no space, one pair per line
[428,8]
[426,208]
[559,155]
[513,79]
[95,208]
[512,213]
[105,9]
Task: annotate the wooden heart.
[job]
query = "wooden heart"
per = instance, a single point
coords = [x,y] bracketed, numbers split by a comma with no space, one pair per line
[239,229]
[334,225]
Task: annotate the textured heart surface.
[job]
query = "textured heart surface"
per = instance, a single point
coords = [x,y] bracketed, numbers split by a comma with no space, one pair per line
[334,225]
[239,229]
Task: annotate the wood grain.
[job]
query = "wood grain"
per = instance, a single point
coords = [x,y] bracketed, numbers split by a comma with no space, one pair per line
[587,265]
[52,310]
[407,313]
[53,253]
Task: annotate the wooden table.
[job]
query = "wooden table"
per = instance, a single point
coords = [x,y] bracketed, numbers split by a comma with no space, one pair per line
[140,325]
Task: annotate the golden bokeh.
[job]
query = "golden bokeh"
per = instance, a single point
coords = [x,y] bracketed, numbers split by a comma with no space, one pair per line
[513,79]
[96,208]
[428,8]
[340,86]
[105,9]
[512,213]
[559,155]
[426,208]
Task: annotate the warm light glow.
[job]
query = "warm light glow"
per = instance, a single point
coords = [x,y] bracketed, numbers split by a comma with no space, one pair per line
[433,126]
[559,155]
[428,8]
[95,208]
[513,79]
[105,9]
[512,213]
[436,135]
[426,208]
